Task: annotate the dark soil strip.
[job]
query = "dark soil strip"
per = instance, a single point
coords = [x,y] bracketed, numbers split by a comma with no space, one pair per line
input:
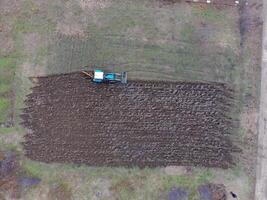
[141,124]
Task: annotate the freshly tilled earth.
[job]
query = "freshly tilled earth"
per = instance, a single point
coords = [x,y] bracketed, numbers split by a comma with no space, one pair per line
[143,123]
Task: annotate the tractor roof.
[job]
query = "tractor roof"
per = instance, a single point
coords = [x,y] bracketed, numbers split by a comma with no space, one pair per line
[99,74]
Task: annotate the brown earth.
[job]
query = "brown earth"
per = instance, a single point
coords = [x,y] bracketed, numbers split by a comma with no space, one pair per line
[142,123]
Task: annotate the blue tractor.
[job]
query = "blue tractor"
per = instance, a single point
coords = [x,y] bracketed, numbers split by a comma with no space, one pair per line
[99,76]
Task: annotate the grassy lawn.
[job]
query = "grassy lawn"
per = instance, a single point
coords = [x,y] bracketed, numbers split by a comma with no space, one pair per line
[83,182]
[4,108]
[122,183]
[7,70]
[175,42]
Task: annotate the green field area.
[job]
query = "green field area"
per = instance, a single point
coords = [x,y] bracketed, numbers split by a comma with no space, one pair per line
[148,39]
[171,42]
[7,71]
[85,182]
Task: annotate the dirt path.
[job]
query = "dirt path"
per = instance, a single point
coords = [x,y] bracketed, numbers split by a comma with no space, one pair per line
[142,123]
[261,184]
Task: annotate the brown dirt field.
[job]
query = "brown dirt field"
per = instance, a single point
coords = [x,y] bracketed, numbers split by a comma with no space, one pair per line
[143,123]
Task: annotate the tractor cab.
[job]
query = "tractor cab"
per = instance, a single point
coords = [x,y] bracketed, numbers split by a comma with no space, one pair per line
[98,76]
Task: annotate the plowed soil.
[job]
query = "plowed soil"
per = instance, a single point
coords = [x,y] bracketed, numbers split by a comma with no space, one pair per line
[141,124]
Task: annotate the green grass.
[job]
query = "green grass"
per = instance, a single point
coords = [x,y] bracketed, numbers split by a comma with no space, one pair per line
[5,62]
[187,32]
[209,14]
[60,191]
[152,183]
[241,133]
[113,44]
[125,183]
[23,85]
[130,184]
[9,147]
[31,168]
[4,108]
[7,130]
[237,171]
[7,69]
[4,88]
[30,20]
[190,183]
